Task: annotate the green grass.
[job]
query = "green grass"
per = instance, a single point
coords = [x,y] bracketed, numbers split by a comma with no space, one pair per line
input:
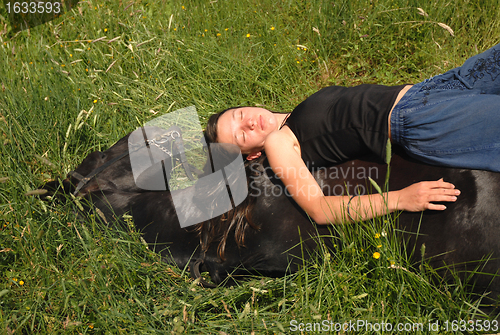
[65,93]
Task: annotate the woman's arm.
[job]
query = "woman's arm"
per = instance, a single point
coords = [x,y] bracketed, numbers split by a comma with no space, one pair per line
[291,169]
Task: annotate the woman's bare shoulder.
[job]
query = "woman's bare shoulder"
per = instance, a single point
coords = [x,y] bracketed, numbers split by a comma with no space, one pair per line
[283,139]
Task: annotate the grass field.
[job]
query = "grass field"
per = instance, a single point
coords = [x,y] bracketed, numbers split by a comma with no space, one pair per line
[82,81]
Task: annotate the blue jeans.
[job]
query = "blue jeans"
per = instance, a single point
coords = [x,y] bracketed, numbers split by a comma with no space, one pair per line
[453,119]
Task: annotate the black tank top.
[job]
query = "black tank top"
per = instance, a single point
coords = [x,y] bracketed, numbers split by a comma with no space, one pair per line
[337,124]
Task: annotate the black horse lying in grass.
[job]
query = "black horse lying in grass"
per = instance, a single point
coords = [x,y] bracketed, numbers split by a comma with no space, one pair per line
[266,238]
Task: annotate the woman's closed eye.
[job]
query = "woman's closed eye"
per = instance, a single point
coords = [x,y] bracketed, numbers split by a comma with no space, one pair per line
[243,136]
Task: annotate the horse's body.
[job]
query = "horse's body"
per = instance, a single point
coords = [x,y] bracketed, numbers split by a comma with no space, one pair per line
[468,231]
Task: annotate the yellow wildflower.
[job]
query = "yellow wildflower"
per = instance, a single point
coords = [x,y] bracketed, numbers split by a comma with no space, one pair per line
[376,255]
[377,235]
[248,35]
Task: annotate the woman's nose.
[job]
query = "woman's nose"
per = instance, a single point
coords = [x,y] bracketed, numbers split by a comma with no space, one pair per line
[251,123]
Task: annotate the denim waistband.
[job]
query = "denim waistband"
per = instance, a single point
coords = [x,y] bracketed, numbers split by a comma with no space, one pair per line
[420,94]
[397,117]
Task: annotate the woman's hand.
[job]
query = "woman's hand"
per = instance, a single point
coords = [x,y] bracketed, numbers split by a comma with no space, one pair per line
[421,196]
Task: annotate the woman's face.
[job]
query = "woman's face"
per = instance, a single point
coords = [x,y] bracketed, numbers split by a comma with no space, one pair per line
[246,127]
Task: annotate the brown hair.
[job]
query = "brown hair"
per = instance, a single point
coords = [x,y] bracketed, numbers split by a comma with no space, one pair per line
[237,219]
[211,129]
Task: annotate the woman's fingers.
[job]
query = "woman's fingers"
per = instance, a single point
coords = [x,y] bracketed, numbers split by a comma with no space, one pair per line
[423,195]
[444,194]
[442,197]
[441,191]
[435,207]
[441,184]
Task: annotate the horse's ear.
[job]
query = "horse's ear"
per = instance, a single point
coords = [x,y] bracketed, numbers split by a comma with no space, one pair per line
[254,155]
